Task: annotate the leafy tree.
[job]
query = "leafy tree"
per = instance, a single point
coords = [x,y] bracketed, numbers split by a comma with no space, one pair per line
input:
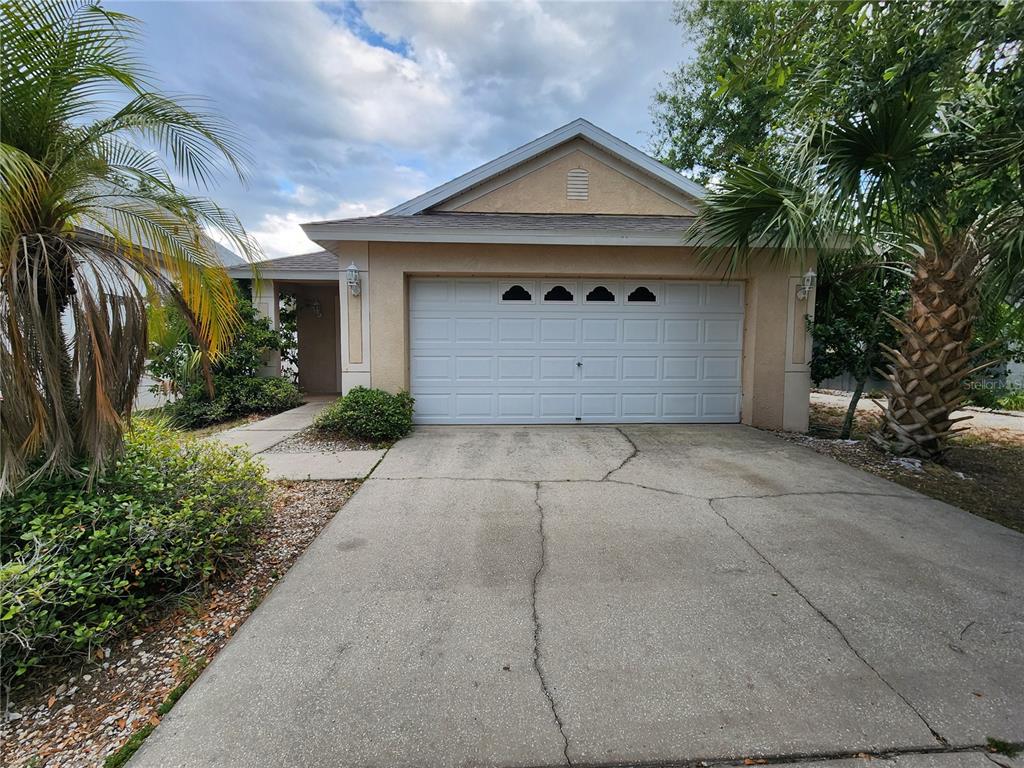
[93,228]
[896,127]
[849,328]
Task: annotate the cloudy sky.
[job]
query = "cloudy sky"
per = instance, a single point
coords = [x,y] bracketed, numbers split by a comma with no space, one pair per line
[351,108]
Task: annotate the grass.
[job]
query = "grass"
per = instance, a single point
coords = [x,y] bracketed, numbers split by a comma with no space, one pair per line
[203,431]
[124,754]
[982,473]
[1003,747]
[130,747]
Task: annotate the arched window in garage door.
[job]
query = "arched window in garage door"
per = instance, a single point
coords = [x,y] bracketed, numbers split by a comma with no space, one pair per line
[516,293]
[558,293]
[600,293]
[641,293]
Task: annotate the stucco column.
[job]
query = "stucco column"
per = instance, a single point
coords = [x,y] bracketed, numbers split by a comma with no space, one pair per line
[764,347]
[264,299]
[389,341]
[797,393]
[354,331]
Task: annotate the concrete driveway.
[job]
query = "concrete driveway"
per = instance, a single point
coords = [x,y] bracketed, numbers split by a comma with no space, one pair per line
[598,596]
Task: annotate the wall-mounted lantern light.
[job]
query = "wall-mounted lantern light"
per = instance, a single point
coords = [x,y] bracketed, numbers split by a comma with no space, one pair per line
[352,279]
[810,280]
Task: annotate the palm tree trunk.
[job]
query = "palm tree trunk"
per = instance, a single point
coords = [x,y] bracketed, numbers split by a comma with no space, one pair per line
[926,373]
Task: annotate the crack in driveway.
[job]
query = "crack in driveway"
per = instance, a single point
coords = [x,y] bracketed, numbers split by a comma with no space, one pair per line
[711,501]
[537,665]
[625,461]
[938,737]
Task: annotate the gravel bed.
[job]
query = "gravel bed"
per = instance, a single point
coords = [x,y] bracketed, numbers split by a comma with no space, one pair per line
[983,471]
[89,712]
[312,441]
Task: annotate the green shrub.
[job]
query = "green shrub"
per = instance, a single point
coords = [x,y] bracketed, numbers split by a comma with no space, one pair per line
[995,399]
[233,399]
[238,389]
[369,414]
[1013,400]
[75,564]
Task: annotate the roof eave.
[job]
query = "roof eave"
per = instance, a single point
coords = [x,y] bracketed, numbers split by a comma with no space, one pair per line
[326,233]
[266,273]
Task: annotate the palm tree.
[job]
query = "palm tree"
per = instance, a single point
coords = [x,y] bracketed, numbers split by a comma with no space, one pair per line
[94,228]
[891,182]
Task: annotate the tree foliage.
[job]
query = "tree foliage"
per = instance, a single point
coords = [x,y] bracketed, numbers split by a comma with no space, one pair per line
[893,131]
[238,388]
[95,227]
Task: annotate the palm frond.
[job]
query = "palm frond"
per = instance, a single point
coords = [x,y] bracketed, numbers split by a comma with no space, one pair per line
[94,228]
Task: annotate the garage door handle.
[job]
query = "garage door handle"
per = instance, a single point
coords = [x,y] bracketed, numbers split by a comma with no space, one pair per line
[579,364]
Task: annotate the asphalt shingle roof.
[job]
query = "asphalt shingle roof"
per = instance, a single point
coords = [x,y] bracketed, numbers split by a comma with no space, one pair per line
[318,261]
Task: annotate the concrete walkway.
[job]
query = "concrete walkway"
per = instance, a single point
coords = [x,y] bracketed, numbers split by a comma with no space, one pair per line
[1009,420]
[261,435]
[595,596]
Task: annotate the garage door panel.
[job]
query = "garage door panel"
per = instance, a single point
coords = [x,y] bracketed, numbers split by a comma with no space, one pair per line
[474,329]
[599,405]
[682,331]
[430,292]
[474,292]
[475,358]
[600,330]
[640,331]
[683,295]
[516,406]
[558,405]
[558,330]
[723,297]
[474,368]
[470,405]
[680,405]
[720,404]
[522,368]
[431,368]
[640,405]
[722,369]
[681,368]
[429,406]
[432,329]
[558,369]
[723,331]
[639,368]
[516,330]
[599,368]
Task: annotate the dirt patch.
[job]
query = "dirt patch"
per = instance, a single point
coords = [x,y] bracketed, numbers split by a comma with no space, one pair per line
[311,440]
[83,715]
[982,473]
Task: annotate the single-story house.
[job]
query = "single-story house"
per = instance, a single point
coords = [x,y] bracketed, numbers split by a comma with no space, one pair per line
[554,284]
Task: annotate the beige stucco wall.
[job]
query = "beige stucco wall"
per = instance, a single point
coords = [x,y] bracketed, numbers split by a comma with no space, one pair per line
[543,190]
[770,306]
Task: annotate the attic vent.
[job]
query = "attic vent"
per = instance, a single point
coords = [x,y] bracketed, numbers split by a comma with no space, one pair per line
[577,184]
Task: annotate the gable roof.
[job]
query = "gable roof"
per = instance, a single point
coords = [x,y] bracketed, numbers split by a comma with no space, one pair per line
[578,128]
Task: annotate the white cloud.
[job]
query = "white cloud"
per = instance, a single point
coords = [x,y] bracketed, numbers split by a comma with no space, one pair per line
[280,233]
[349,110]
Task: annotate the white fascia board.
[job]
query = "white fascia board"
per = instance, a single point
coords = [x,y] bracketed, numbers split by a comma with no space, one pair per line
[323,234]
[291,275]
[578,127]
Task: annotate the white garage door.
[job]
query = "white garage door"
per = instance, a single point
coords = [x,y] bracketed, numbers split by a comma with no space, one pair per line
[516,351]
